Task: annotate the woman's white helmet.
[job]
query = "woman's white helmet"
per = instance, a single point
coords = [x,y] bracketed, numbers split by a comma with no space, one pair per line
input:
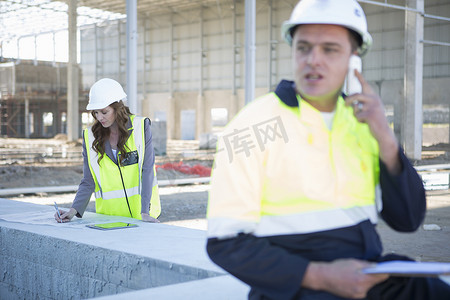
[347,13]
[104,92]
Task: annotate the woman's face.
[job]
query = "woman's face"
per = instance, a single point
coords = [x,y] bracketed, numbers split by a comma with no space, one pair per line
[105,116]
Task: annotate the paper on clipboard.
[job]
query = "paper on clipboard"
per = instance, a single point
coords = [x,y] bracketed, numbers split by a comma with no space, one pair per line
[410,268]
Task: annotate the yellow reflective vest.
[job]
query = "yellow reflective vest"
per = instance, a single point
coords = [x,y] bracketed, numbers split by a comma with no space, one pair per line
[279,170]
[118,188]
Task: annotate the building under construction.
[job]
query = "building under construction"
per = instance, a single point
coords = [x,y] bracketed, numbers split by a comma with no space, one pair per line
[33,99]
[191,65]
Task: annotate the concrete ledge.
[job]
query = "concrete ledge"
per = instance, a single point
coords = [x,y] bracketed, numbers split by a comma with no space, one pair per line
[41,259]
[221,287]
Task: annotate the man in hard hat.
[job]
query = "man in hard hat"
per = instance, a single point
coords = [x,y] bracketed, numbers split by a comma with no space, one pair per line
[301,174]
[119,160]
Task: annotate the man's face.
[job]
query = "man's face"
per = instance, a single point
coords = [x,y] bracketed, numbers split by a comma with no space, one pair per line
[321,55]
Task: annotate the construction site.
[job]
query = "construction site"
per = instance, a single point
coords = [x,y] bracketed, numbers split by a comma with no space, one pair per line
[191,67]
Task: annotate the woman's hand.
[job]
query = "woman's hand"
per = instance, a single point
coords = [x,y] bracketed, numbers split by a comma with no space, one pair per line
[66,216]
[147,218]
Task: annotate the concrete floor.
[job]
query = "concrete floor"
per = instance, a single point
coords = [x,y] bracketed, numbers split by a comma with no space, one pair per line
[185,206]
[424,245]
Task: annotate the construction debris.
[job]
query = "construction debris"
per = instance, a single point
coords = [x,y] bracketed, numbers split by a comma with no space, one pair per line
[431,227]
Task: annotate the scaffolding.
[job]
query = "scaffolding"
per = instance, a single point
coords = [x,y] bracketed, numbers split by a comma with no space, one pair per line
[33,99]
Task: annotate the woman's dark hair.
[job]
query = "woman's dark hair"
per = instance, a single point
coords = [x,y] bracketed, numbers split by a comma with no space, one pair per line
[101,134]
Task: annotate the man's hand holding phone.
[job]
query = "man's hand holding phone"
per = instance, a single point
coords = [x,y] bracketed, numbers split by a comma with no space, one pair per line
[370,110]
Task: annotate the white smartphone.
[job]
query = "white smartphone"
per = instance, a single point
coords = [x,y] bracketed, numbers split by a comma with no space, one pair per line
[352,84]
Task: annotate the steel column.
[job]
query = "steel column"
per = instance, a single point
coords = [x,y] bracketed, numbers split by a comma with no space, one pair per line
[250,49]
[72,76]
[412,121]
[132,36]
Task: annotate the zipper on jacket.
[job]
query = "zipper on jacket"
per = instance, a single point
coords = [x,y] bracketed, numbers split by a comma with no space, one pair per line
[124,190]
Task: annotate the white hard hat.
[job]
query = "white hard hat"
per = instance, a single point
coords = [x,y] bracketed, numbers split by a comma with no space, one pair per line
[347,13]
[104,92]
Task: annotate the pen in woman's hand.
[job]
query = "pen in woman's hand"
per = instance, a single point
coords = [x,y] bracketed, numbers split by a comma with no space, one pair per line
[57,210]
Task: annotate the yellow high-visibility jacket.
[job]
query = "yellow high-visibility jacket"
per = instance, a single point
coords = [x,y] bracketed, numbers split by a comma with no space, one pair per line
[286,190]
[118,188]
[279,170]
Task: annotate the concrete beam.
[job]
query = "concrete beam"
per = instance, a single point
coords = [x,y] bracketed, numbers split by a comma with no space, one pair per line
[171,118]
[413,81]
[27,117]
[132,36]
[218,288]
[199,116]
[270,46]
[250,49]
[234,49]
[72,76]
[200,107]
[40,258]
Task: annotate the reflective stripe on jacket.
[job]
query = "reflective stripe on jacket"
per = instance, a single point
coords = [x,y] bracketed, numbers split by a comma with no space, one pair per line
[118,188]
[279,170]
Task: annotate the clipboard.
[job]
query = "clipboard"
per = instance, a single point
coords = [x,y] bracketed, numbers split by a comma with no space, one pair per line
[111,226]
[410,269]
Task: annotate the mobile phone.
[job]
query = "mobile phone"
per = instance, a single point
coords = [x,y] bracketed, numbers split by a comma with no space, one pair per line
[352,84]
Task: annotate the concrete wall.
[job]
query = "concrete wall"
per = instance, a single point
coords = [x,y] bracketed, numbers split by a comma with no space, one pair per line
[162,102]
[40,259]
[36,266]
[201,52]
[188,40]
[435,92]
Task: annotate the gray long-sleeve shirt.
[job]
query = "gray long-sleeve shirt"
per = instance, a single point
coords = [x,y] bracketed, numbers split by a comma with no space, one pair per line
[87,184]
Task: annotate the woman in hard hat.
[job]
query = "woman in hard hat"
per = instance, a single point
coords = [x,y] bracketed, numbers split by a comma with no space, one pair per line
[118,160]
